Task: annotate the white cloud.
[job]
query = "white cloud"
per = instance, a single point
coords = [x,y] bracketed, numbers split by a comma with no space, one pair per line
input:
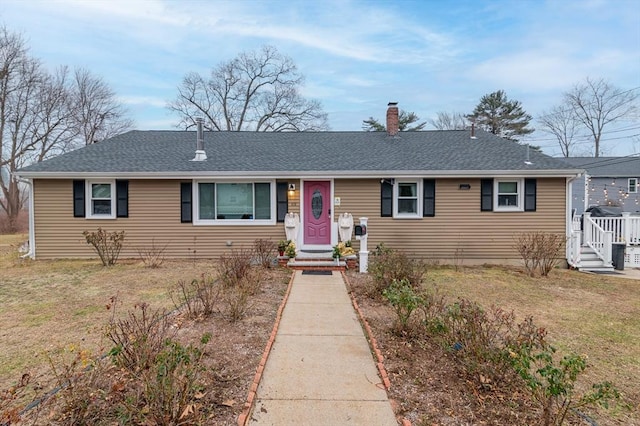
[143,101]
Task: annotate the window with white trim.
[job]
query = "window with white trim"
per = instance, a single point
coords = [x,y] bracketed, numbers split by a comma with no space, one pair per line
[633,185]
[101,200]
[408,201]
[235,203]
[508,195]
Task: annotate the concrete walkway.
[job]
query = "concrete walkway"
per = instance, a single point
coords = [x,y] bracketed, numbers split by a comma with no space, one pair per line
[320,370]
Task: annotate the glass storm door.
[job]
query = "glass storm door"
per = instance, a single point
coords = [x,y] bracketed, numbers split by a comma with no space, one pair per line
[317,213]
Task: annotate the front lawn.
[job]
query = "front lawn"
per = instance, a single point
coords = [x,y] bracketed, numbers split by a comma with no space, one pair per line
[593,315]
[58,310]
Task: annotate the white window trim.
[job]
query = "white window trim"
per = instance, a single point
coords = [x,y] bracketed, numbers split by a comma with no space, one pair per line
[195,207]
[89,197]
[520,192]
[419,197]
[635,186]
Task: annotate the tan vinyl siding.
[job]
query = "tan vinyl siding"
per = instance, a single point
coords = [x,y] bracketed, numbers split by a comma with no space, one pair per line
[154,213]
[458,223]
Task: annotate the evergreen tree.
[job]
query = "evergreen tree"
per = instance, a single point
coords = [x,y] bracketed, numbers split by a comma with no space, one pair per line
[497,114]
[406,122]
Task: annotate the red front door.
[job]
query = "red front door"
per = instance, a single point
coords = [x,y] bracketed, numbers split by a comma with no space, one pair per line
[317,213]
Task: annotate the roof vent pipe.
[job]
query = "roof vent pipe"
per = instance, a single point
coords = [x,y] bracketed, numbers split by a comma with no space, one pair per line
[473,131]
[200,154]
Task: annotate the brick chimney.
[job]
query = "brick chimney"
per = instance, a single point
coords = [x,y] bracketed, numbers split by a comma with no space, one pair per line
[392,119]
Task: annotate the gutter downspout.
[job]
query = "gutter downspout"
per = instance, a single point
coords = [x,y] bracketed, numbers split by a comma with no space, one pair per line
[32,232]
[568,218]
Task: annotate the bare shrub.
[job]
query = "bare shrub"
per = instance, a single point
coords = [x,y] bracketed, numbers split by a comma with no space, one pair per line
[234,266]
[540,251]
[138,338]
[198,297]
[106,244]
[152,256]
[265,251]
[238,298]
[12,399]
[79,378]
[478,338]
[388,265]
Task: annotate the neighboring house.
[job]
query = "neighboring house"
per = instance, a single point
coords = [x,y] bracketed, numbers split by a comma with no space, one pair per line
[436,194]
[608,181]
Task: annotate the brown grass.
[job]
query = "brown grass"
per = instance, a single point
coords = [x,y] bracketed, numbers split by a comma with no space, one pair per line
[51,304]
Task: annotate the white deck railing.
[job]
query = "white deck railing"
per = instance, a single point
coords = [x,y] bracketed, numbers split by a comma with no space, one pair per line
[597,238]
[625,229]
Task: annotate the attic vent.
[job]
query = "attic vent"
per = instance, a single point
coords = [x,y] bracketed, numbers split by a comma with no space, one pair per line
[200,154]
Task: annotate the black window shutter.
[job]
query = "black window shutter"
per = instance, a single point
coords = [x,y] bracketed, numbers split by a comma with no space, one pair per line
[486,195]
[530,195]
[122,198]
[282,200]
[429,192]
[386,199]
[185,202]
[78,198]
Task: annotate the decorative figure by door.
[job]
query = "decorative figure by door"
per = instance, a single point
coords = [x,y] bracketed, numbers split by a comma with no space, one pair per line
[291,227]
[345,226]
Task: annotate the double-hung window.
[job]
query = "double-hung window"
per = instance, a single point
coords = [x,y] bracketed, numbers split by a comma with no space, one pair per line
[508,195]
[235,202]
[633,185]
[101,198]
[408,199]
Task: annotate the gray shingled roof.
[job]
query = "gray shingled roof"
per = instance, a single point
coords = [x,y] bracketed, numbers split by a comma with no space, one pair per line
[607,166]
[338,153]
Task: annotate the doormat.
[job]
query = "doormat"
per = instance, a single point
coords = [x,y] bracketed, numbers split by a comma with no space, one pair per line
[317,273]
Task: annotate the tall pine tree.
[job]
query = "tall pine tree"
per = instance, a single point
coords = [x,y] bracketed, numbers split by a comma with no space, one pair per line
[497,114]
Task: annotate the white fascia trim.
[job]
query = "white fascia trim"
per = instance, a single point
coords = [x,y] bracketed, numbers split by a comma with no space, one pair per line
[566,173]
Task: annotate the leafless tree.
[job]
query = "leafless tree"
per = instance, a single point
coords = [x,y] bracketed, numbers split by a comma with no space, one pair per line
[257,90]
[449,121]
[97,113]
[44,114]
[597,103]
[562,124]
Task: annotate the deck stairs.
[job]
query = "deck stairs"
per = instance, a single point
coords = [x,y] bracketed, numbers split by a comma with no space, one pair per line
[589,261]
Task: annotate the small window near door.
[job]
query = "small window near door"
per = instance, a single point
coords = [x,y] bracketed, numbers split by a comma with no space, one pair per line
[407,199]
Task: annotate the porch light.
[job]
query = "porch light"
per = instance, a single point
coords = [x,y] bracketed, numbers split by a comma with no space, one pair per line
[292,189]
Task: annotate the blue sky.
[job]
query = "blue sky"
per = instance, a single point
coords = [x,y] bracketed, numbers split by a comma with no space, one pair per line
[356,56]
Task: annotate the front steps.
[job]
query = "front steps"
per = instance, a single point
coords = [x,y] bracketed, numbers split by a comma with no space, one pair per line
[316,261]
[589,261]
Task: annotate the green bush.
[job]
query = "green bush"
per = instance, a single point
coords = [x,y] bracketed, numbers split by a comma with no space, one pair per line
[387,265]
[404,300]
